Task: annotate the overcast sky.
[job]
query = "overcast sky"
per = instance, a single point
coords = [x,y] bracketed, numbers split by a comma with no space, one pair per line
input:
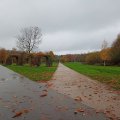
[68,26]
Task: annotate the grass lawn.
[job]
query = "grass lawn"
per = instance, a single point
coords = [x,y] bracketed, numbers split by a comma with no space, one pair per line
[41,73]
[106,74]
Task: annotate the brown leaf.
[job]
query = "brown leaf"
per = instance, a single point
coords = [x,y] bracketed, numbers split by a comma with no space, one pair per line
[78,98]
[80,110]
[17,114]
[43,95]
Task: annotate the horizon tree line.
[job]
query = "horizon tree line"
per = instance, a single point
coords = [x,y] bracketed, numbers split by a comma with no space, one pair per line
[106,56]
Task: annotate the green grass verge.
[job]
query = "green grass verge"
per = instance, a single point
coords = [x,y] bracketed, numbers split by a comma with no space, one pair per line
[41,73]
[106,74]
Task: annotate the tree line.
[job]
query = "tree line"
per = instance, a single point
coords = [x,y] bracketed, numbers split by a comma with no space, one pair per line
[106,56]
[8,57]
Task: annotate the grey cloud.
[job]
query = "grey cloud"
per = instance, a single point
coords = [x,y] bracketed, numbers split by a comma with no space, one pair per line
[67,25]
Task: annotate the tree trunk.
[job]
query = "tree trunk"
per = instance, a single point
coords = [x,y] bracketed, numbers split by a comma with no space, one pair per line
[104,63]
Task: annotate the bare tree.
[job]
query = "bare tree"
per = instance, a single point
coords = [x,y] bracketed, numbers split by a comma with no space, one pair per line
[104,44]
[29,39]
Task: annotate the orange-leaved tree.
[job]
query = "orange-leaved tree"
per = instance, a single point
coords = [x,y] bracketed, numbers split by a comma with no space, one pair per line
[3,55]
[105,53]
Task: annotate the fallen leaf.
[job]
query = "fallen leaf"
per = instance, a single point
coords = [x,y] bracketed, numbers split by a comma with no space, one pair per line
[43,95]
[80,110]
[78,98]
[17,114]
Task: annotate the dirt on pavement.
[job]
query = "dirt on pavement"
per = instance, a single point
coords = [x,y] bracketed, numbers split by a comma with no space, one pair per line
[90,92]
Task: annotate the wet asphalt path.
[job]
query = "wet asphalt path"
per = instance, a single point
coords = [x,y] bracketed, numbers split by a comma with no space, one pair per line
[22,97]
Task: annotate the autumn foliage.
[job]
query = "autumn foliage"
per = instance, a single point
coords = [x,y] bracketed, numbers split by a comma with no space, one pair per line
[92,58]
[3,56]
[8,57]
[106,56]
